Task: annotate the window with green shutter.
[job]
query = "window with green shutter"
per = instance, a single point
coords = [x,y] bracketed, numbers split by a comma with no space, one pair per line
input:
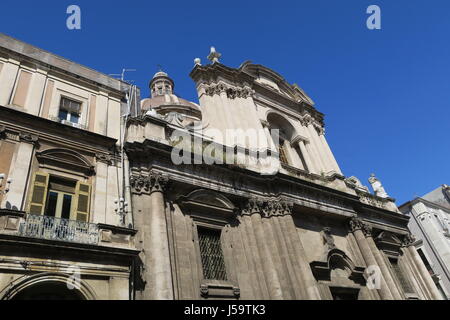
[38,193]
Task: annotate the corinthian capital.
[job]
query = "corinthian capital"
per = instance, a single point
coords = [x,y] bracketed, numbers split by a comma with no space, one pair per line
[277,208]
[367,230]
[154,182]
[158,181]
[356,224]
[252,206]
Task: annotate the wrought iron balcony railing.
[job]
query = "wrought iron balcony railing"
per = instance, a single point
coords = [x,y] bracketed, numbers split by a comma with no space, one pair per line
[50,228]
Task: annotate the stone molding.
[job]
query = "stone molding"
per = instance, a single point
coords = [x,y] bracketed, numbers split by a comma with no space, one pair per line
[153,182]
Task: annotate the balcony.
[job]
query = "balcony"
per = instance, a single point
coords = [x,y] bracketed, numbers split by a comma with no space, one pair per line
[50,228]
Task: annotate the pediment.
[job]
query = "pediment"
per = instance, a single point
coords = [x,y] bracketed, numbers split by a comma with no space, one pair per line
[67,159]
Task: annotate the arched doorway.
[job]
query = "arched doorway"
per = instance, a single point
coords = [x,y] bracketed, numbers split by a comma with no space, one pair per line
[47,286]
[48,291]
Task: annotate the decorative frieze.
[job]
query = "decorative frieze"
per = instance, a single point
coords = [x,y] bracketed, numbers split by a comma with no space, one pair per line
[154,182]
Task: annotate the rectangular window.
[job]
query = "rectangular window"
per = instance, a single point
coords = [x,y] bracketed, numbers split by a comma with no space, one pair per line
[60,195]
[57,197]
[213,262]
[69,110]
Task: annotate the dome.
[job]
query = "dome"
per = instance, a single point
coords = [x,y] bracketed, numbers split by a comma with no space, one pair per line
[164,103]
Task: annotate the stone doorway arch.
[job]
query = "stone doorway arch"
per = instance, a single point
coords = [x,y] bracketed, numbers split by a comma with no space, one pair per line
[47,287]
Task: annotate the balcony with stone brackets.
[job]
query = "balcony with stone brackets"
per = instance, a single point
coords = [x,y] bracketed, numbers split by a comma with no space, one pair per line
[45,228]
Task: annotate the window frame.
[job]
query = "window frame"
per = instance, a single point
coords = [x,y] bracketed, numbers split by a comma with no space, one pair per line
[69,113]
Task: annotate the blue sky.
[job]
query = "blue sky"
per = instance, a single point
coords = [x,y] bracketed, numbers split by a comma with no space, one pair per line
[385,93]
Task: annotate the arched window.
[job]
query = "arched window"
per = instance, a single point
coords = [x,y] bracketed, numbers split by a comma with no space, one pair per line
[289,155]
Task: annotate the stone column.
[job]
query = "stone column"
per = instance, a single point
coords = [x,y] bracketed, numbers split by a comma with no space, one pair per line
[301,142]
[306,278]
[382,264]
[319,157]
[157,264]
[358,228]
[254,208]
[331,157]
[435,294]
[283,260]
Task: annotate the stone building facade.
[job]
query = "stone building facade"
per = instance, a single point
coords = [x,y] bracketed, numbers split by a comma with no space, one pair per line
[92,194]
[430,223]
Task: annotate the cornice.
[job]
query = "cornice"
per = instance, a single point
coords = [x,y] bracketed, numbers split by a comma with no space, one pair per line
[30,127]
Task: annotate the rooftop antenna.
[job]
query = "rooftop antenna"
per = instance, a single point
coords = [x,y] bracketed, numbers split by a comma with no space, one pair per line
[121,76]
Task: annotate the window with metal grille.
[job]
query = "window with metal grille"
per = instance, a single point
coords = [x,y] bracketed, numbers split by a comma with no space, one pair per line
[213,262]
[406,285]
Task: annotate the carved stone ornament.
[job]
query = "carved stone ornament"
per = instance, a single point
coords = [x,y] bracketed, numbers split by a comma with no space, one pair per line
[328,239]
[154,182]
[277,208]
[253,206]
[28,138]
[356,224]
[104,158]
[408,240]
[367,230]
[231,92]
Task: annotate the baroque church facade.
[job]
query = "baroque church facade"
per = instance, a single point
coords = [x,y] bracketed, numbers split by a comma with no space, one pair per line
[93,205]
